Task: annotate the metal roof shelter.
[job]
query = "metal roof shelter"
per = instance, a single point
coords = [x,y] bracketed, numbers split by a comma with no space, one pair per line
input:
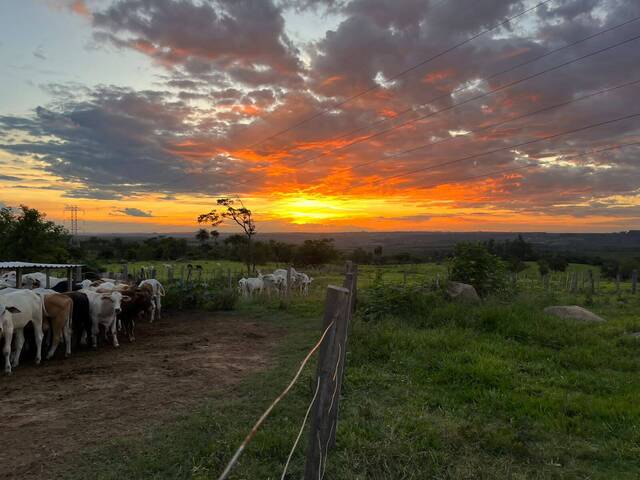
[19,267]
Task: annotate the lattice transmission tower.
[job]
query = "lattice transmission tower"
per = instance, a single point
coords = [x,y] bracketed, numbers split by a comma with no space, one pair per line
[73,213]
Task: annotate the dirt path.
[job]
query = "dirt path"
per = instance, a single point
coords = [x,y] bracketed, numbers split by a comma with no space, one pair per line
[63,406]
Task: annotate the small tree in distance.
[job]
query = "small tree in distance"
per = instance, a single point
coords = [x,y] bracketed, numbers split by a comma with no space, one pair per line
[233,209]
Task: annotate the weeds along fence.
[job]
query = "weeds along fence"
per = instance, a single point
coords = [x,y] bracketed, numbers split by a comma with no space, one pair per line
[323,410]
[587,281]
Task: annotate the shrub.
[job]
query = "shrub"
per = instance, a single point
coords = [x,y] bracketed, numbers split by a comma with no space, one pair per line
[383,299]
[193,296]
[473,264]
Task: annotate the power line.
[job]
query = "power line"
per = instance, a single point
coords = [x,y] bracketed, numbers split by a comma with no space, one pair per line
[474,98]
[493,125]
[398,75]
[491,77]
[509,147]
[530,165]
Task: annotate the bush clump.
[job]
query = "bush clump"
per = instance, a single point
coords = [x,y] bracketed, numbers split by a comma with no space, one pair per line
[474,264]
[191,296]
[384,299]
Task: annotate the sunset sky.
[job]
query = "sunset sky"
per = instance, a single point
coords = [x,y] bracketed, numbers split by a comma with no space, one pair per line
[142,112]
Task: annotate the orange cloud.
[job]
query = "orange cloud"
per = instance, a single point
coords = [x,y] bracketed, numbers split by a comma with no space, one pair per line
[434,77]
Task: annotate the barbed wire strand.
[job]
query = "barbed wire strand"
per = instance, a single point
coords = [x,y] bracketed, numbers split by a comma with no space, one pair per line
[268,411]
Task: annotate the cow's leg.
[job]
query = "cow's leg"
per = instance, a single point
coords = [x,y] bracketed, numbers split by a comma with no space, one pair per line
[6,350]
[94,334]
[114,333]
[37,330]
[19,340]
[67,339]
[153,310]
[159,307]
[55,340]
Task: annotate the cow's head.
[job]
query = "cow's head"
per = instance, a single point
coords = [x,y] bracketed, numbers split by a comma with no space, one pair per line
[116,298]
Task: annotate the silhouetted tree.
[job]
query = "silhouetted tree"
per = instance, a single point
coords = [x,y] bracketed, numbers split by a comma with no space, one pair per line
[234,210]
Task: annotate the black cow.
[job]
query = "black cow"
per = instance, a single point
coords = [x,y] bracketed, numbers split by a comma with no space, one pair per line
[136,303]
[63,287]
[81,318]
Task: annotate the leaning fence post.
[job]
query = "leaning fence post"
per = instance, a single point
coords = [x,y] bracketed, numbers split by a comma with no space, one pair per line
[618,282]
[125,272]
[634,281]
[322,420]
[592,282]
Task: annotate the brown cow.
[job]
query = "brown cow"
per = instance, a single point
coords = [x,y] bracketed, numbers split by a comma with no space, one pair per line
[58,309]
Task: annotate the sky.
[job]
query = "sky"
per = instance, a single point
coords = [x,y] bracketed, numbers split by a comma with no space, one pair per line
[324,115]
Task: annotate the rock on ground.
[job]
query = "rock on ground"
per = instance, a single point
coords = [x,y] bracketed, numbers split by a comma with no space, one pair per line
[574,312]
[462,292]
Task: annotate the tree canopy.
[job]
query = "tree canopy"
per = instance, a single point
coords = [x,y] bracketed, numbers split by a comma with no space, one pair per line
[26,235]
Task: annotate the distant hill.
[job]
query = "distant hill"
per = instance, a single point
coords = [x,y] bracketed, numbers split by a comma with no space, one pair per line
[425,242]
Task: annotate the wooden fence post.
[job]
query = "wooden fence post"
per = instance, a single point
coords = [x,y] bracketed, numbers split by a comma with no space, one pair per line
[125,272]
[47,282]
[574,282]
[592,282]
[323,414]
[229,277]
[634,281]
[169,269]
[618,282]
[350,283]
[288,289]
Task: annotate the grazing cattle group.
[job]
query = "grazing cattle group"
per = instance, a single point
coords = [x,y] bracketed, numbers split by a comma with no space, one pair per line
[74,317]
[274,283]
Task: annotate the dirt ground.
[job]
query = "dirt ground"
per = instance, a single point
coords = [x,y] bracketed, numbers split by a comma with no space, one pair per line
[52,411]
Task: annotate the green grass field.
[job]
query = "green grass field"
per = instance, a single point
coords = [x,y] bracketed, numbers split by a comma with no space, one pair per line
[497,390]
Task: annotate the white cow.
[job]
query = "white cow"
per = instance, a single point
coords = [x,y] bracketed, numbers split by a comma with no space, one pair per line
[28,308]
[40,279]
[103,308]
[158,292]
[85,283]
[303,281]
[6,331]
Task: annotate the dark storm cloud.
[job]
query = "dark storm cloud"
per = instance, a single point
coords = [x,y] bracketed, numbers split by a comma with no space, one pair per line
[118,143]
[9,178]
[132,212]
[245,38]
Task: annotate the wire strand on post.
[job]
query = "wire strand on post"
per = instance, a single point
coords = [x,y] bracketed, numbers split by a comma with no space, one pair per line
[268,411]
[304,421]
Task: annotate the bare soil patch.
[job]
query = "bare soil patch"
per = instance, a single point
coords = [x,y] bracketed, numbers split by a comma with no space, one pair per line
[52,411]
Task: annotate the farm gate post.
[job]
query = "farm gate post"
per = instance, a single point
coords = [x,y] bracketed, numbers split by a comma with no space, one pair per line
[336,312]
[634,281]
[125,272]
[592,282]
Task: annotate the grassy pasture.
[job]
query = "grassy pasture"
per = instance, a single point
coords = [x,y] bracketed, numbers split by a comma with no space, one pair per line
[497,390]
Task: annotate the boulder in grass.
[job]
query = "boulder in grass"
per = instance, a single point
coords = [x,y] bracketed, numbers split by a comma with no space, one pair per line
[462,292]
[574,312]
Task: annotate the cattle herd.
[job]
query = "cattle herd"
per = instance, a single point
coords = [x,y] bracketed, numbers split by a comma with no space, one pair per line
[76,317]
[274,283]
